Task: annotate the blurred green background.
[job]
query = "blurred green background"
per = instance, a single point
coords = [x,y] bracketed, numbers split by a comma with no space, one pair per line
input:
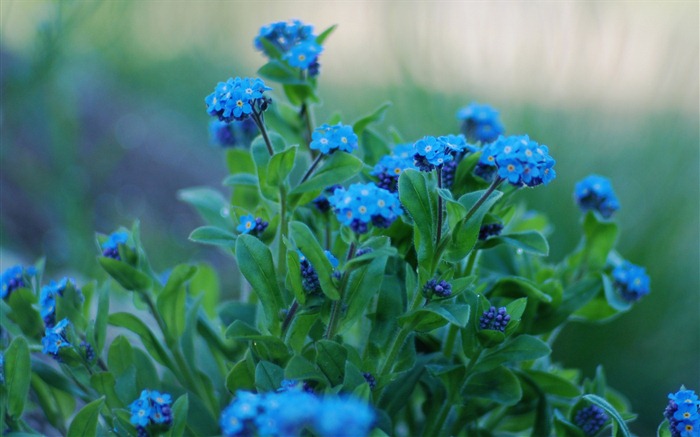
[102,121]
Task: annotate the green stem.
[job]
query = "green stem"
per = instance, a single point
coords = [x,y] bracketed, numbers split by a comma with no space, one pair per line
[498,181]
[399,340]
[259,122]
[311,169]
[307,117]
[281,248]
[435,428]
[338,304]
[450,340]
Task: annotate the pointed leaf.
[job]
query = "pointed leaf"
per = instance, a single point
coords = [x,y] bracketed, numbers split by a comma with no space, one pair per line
[85,422]
[18,372]
[127,276]
[337,168]
[214,236]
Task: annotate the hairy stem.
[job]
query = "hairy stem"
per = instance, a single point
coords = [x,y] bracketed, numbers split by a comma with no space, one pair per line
[311,169]
[260,123]
[498,181]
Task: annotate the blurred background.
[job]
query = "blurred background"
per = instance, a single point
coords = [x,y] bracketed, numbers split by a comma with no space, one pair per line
[102,121]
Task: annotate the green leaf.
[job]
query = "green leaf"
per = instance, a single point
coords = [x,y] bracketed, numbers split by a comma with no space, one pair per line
[268,376]
[48,402]
[18,373]
[337,168]
[205,283]
[171,301]
[325,34]
[241,330]
[664,429]
[23,313]
[104,383]
[375,117]
[306,242]
[299,93]
[466,233]
[294,279]
[435,315]
[179,410]
[330,359]
[70,306]
[101,320]
[120,356]
[85,422]
[417,194]
[613,297]
[575,296]
[498,384]
[301,369]
[514,286]
[208,203]
[281,165]
[127,276]
[531,242]
[270,49]
[149,340]
[242,375]
[255,262]
[600,238]
[363,285]
[278,71]
[614,414]
[553,384]
[214,236]
[521,348]
[373,147]
[240,180]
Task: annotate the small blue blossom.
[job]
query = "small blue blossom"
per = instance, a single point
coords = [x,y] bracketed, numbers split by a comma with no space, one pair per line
[591,419]
[495,320]
[321,202]
[236,133]
[47,299]
[284,35]
[15,277]
[683,413]
[250,224]
[596,193]
[237,99]
[389,168]
[55,338]
[303,54]
[327,139]
[309,277]
[480,123]
[110,247]
[631,281]
[152,408]
[140,412]
[361,204]
[343,417]
[440,288]
[371,380]
[517,159]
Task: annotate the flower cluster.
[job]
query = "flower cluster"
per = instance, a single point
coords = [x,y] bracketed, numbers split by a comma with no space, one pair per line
[151,408]
[110,248]
[321,202]
[309,277]
[631,281]
[390,167]
[591,419]
[327,139]
[47,299]
[440,288]
[237,99]
[56,338]
[495,320]
[480,122]
[517,159]
[596,193]
[431,152]
[236,133]
[290,411]
[15,277]
[683,413]
[295,41]
[252,225]
[490,230]
[360,204]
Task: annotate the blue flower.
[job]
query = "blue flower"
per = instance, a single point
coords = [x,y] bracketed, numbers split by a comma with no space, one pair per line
[327,139]
[431,152]
[284,35]
[439,288]
[361,204]
[591,419]
[140,412]
[596,193]
[631,281]
[517,159]
[250,224]
[389,168]
[321,202]
[683,413]
[15,277]
[303,54]
[55,338]
[237,99]
[343,417]
[495,320]
[236,133]
[309,277]
[152,407]
[110,247]
[47,299]
[480,122]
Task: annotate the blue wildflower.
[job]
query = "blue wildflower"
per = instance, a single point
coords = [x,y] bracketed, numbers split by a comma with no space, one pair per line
[236,133]
[683,413]
[495,320]
[140,412]
[47,299]
[631,281]
[15,277]
[480,122]
[327,139]
[303,54]
[440,288]
[110,248]
[55,338]
[343,417]
[321,202]
[309,277]
[596,193]
[250,224]
[88,351]
[591,419]
[284,35]
[389,168]
[152,408]
[238,99]
[361,204]
[517,159]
